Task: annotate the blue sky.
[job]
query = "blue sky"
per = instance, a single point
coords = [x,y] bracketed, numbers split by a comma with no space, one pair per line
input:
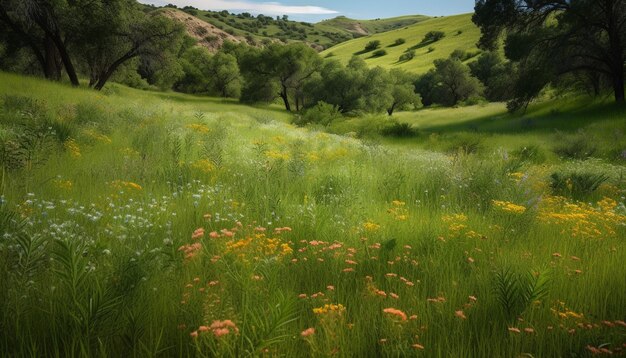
[316,10]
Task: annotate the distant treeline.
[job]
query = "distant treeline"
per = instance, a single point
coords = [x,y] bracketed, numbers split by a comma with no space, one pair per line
[127,42]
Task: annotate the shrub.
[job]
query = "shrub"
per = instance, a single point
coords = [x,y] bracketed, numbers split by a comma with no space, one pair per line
[433,36]
[379,53]
[322,113]
[399,42]
[407,56]
[578,146]
[578,185]
[399,130]
[431,49]
[372,45]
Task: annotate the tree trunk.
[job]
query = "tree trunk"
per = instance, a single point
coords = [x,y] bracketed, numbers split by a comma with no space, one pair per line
[618,88]
[67,61]
[52,68]
[285,97]
[390,110]
[106,75]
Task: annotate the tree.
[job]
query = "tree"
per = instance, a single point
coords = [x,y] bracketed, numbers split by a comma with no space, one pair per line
[282,69]
[39,24]
[403,91]
[121,33]
[196,65]
[556,37]
[224,75]
[497,75]
[455,82]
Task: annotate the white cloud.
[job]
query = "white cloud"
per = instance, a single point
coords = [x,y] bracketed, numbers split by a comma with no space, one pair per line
[267,8]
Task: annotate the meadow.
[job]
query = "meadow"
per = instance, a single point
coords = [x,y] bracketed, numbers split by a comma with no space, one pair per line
[140,223]
[459,34]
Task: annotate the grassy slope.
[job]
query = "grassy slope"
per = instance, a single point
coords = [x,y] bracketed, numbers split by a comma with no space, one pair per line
[326,190]
[373,26]
[413,35]
[325,33]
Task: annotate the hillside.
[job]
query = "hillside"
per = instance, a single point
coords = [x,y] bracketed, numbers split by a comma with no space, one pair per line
[263,29]
[460,33]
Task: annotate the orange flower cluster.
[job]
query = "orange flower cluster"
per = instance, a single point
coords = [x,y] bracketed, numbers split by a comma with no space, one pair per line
[396,313]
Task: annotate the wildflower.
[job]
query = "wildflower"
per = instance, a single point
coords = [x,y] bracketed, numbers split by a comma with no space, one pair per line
[413,317]
[198,234]
[460,314]
[302,295]
[393,295]
[396,312]
[417,346]
[370,226]
[529,330]
[473,298]
[308,332]
[514,330]
[509,207]
[194,334]
[330,288]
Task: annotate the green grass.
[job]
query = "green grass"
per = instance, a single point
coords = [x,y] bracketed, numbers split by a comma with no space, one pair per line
[97,256]
[460,32]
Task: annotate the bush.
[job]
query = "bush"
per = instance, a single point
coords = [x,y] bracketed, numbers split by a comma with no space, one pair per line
[399,42]
[433,36]
[465,143]
[399,130]
[407,56]
[372,45]
[322,113]
[379,53]
[578,146]
[578,185]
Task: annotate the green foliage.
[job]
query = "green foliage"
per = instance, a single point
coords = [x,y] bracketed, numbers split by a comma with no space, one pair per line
[322,113]
[515,292]
[379,53]
[371,46]
[398,130]
[577,185]
[407,56]
[433,36]
[575,146]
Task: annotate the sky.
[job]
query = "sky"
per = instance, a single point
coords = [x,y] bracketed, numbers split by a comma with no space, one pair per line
[317,10]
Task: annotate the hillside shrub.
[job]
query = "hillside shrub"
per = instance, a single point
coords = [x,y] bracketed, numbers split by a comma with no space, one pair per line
[322,113]
[407,56]
[433,36]
[379,53]
[398,130]
[372,45]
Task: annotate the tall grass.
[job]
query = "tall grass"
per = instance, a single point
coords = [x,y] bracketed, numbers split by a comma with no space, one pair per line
[189,227]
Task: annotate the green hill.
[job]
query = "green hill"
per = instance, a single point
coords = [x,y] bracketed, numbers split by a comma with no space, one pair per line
[460,33]
[261,29]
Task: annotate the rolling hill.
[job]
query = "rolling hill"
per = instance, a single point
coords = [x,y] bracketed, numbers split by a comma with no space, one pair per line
[210,28]
[460,33]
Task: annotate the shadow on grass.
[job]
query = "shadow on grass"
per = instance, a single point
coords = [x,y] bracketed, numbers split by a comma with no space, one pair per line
[540,119]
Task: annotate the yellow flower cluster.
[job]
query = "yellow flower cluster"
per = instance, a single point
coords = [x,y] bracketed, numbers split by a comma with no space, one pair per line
[72,147]
[456,223]
[330,308]
[274,154]
[200,128]
[63,184]
[583,220]
[257,247]
[509,207]
[561,311]
[203,165]
[120,184]
[517,176]
[370,226]
[398,210]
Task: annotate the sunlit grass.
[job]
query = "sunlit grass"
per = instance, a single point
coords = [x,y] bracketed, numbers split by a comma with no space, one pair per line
[170,225]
